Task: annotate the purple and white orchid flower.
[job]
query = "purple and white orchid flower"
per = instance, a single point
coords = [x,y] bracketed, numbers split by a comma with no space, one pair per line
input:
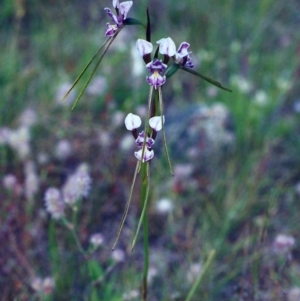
[122,10]
[182,56]
[132,122]
[156,68]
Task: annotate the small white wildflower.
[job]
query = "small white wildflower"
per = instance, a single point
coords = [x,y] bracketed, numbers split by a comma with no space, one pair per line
[53,202]
[31,185]
[193,272]
[152,273]
[241,83]
[211,91]
[132,295]
[37,284]
[4,135]
[28,118]
[283,243]
[164,206]
[42,158]
[43,286]
[117,119]
[78,185]
[104,138]
[9,181]
[118,255]
[283,84]
[61,92]
[63,149]
[126,142]
[97,86]
[182,171]
[294,294]
[261,98]
[48,285]
[97,239]
[19,141]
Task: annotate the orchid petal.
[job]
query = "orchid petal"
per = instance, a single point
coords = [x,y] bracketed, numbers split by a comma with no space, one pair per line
[148,155]
[112,15]
[116,3]
[141,138]
[156,80]
[110,30]
[155,123]
[167,47]
[124,8]
[132,122]
[143,47]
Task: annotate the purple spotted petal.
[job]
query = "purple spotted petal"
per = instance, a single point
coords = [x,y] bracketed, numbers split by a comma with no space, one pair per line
[148,155]
[141,138]
[183,49]
[156,65]
[156,80]
[110,30]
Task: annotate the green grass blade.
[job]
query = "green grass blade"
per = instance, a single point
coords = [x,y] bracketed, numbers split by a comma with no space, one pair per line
[192,291]
[144,207]
[84,69]
[127,206]
[95,68]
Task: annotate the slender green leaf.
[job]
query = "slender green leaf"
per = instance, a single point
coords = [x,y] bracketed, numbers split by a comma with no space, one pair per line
[208,79]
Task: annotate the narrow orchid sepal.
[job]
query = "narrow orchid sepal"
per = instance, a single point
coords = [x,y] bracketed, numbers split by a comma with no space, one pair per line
[132,122]
[147,156]
[156,122]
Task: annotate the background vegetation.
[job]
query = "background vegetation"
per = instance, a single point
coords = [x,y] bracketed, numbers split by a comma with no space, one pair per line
[235,155]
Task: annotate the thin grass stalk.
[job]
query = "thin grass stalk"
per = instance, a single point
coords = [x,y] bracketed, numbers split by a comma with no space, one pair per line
[145,194]
[209,260]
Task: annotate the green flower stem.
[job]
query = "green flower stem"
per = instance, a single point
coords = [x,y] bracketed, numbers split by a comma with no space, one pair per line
[145,192]
[72,229]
